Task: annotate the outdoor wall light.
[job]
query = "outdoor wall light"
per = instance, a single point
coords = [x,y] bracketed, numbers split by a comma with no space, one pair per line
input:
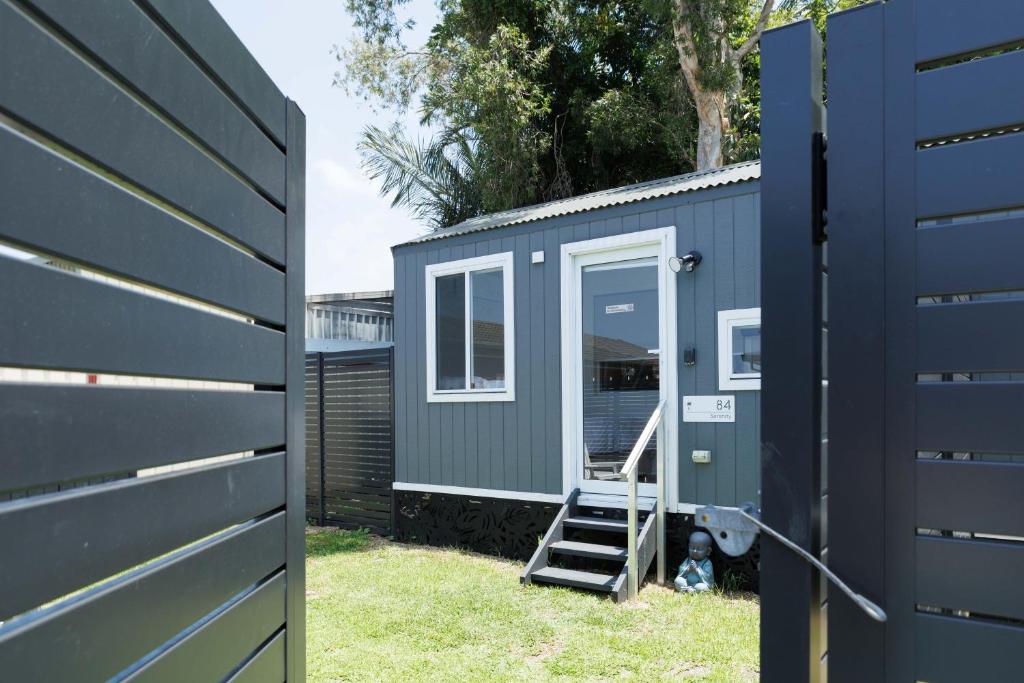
[688,261]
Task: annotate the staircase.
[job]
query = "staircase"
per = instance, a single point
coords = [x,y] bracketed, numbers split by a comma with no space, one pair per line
[586,548]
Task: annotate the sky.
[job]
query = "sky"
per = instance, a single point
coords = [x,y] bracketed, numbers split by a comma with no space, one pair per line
[349,227]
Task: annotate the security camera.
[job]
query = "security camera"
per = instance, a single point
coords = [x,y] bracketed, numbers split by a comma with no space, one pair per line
[688,262]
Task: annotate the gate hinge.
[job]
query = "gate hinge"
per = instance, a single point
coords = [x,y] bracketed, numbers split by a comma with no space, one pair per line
[819,187]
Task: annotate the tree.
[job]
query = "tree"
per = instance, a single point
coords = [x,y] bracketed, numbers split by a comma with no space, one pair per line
[544,99]
[706,34]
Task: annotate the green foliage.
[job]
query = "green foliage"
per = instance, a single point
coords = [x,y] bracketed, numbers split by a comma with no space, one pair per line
[494,90]
[543,99]
[328,542]
[438,181]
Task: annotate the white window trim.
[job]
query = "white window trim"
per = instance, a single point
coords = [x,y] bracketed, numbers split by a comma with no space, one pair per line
[433,271]
[726,378]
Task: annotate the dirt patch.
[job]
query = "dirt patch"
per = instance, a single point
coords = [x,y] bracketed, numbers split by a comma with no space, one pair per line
[546,650]
[690,670]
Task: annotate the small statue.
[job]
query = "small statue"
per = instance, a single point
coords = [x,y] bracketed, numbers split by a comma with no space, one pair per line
[695,573]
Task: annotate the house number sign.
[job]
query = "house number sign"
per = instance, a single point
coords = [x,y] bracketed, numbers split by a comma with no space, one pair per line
[709,408]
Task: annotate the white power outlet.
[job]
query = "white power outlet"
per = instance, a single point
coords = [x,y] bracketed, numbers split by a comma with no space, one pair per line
[701,457]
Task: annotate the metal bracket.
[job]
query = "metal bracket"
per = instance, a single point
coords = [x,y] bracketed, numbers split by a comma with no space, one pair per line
[734,530]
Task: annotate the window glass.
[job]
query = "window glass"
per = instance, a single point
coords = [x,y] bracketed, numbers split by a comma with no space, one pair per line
[450,293]
[746,349]
[487,301]
[620,364]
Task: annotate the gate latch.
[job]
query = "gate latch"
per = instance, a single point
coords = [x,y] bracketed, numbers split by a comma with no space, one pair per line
[734,529]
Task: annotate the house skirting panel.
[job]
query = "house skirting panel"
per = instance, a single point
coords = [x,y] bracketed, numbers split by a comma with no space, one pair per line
[495,526]
[512,528]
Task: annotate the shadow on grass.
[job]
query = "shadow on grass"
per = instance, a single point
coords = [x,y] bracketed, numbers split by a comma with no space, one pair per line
[323,542]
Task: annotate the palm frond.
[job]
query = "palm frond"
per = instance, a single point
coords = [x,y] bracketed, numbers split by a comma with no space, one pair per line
[436,181]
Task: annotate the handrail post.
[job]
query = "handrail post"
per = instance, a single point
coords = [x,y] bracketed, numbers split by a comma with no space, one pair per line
[660,503]
[632,562]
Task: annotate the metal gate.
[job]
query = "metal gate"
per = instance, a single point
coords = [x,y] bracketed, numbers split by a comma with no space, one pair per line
[151,214]
[350,439]
[924,341]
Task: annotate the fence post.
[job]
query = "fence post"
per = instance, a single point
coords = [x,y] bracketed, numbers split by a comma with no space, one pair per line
[321,442]
[391,390]
[856,462]
[791,384]
[295,393]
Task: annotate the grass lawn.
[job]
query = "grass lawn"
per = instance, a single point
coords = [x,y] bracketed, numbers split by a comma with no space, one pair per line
[381,611]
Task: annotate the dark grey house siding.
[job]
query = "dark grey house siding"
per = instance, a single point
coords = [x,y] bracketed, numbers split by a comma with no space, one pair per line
[517,446]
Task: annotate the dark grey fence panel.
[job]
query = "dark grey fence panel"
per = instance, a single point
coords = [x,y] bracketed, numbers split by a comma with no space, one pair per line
[949,498]
[140,335]
[115,231]
[110,527]
[352,422]
[942,644]
[153,606]
[197,23]
[105,124]
[159,182]
[947,98]
[266,665]
[314,439]
[988,256]
[121,35]
[41,424]
[926,446]
[1002,563]
[212,651]
[948,28]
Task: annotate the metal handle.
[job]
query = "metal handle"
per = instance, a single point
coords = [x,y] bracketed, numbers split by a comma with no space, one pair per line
[872,610]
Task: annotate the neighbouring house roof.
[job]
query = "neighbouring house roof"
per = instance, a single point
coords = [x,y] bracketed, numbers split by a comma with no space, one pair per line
[689,182]
[350,296]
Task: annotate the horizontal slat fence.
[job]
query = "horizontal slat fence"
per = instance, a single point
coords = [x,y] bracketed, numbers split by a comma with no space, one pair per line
[152,219]
[350,439]
[925,149]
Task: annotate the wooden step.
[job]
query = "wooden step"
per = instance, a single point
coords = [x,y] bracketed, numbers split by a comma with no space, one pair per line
[576,579]
[597,524]
[593,550]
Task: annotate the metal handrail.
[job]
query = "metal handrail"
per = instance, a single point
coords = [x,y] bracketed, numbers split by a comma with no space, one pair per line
[629,473]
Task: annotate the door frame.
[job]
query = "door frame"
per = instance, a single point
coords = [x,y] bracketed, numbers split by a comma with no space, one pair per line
[659,242]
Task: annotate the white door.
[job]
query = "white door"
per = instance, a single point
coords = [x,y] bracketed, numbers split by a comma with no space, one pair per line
[616,333]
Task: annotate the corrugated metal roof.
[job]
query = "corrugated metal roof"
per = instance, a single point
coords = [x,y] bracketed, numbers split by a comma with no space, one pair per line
[689,182]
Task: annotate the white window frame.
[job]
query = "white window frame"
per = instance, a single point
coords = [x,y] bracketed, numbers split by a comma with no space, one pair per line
[467,266]
[727,379]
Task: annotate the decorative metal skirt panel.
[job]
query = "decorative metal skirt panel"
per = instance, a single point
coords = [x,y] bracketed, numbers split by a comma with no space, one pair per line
[507,528]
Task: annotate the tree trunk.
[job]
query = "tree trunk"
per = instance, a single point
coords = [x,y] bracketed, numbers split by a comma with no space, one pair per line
[712,105]
[713,122]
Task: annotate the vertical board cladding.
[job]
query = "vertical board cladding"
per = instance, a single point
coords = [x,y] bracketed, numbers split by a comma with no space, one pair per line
[517,445]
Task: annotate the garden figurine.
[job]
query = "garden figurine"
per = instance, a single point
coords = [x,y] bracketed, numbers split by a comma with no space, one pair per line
[695,573]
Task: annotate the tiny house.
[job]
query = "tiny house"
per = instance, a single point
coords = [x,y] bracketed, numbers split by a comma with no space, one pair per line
[532,345]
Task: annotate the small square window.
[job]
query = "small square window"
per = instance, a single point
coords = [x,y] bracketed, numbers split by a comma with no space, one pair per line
[739,349]
[470,330]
